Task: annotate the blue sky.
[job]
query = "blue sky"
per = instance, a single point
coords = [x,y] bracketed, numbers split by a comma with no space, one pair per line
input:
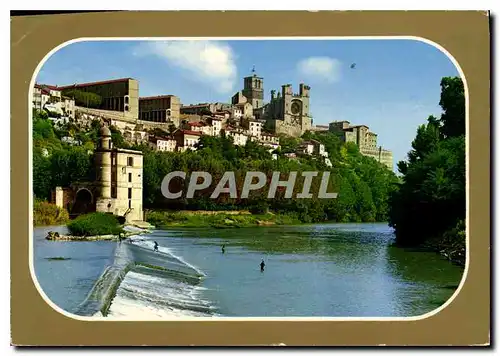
[393,88]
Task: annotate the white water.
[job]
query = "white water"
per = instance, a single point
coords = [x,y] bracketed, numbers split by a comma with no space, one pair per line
[144,295]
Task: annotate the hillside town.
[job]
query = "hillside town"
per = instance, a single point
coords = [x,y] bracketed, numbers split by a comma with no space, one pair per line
[165,124]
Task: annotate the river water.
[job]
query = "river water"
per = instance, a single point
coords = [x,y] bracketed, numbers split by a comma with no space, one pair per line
[343,270]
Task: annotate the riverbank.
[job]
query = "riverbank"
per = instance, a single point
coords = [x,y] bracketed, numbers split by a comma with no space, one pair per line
[129,231]
[48,214]
[346,259]
[218,220]
[451,245]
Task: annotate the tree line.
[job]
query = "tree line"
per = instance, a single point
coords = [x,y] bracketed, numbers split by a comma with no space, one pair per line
[363,184]
[429,203]
[426,202]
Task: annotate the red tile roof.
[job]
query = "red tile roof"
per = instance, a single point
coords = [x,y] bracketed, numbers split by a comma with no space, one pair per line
[189,132]
[77,85]
[155,138]
[197,124]
[45,86]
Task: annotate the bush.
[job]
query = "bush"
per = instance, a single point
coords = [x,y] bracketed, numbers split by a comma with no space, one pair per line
[45,213]
[83,98]
[95,224]
[261,208]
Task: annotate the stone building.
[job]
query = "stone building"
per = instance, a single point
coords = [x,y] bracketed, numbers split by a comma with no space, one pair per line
[186,139]
[216,125]
[311,147]
[204,108]
[117,188]
[320,128]
[314,148]
[239,136]
[245,110]
[252,93]
[120,95]
[44,94]
[288,112]
[253,126]
[50,98]
[119,175]
[163,108]
[164,144]
[364,139]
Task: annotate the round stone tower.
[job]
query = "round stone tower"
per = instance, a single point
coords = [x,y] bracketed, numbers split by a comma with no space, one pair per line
[104,162]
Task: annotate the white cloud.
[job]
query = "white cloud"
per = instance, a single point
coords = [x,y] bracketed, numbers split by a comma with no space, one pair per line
[205,61]
[321,68]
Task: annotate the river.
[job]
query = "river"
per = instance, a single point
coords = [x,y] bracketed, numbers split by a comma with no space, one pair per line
[326,270]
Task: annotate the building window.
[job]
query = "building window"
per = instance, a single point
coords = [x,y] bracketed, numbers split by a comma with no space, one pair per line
[126,107]
[113,192]
[130,193]
[130,177]
[126,100]
[130,204]
[130,161]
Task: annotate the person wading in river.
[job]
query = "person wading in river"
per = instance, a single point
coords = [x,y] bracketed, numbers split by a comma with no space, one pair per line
[156,247]
[262,265]
[223,248]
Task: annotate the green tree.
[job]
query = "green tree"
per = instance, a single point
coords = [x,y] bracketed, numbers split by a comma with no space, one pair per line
[431,197]
[83,98]
[453,104]
[41,174]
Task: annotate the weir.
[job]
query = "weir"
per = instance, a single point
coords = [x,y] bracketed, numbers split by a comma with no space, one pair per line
[130,256]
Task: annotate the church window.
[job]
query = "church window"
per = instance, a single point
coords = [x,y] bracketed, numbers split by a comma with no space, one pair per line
[130,161]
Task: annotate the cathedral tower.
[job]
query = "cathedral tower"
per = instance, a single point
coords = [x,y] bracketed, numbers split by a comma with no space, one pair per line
[253,90]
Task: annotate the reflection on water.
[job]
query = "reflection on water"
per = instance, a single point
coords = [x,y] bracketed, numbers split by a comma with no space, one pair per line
[313,270]
[67,282]
[317,270]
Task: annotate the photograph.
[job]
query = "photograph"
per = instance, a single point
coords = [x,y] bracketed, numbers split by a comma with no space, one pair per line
[181,178]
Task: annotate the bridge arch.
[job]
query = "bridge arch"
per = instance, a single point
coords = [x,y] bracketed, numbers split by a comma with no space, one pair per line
[84,202]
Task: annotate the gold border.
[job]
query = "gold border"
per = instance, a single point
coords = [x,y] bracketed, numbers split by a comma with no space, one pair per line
[464,34]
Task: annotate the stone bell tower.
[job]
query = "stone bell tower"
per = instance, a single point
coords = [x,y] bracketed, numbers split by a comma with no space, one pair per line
[253,90]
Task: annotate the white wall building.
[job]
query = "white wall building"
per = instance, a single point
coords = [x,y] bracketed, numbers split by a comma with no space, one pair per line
[163,144]
[255,128]
[239,137]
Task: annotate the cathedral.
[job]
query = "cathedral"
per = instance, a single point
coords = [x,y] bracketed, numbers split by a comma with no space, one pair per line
[286,113]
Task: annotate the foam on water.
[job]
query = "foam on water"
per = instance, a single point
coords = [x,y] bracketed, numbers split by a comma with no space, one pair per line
[148,293]
[146,296]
